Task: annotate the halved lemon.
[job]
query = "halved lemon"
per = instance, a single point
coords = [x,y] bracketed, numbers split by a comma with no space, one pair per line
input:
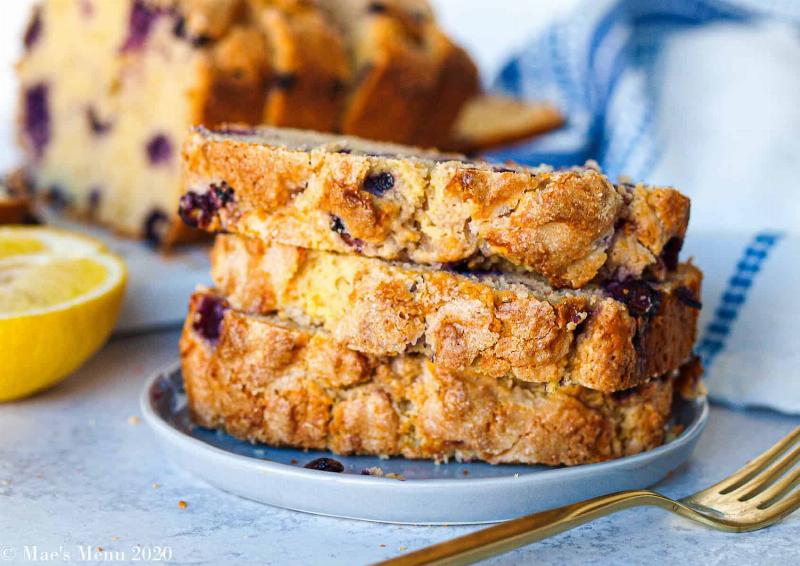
[60,296]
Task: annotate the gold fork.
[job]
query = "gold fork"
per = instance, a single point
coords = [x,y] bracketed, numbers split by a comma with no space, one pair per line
[754,497]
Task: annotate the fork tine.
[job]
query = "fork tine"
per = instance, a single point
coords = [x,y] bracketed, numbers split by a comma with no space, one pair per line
[777,491]
[750,470]
[779,509]
[766,478]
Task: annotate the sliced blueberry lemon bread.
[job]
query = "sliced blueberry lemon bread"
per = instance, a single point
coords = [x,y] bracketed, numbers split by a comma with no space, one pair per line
[348,195]
[497,325]
[109,88]
[263,379]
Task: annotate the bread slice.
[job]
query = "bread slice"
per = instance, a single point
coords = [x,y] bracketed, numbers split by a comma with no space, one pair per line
[492,325]
[494,120]
[262,379]
[348,195]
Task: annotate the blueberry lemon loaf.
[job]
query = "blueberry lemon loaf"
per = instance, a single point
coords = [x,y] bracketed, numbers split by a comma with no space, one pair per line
[263,379]
[498,325]
[348,195]
[109,88]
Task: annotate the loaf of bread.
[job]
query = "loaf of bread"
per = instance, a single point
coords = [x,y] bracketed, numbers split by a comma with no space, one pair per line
[349,195]
[266,380]
[109,88]
[498,325]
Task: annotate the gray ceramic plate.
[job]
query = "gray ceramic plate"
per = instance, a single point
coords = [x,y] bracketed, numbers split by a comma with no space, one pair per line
[432,494]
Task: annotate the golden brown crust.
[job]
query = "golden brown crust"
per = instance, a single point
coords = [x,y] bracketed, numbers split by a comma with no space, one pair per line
[569,226]
[494,326]
[268,381]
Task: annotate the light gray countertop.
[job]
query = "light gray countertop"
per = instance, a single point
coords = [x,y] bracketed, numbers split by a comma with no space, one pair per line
[78,468]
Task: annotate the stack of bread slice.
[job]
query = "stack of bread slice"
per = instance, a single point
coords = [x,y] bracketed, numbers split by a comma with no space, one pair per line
[373,298]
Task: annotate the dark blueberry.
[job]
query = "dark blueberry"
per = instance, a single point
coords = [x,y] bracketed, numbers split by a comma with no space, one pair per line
[669,255]
[180,31]
[139,25]
[688,298]
[191,209]
[345,150]
[337,225]
[220,195]
[640,298]
[34,30]
[499,169]
[325,465]
[284,81]
[155,227]
[379,184]
[159,149]
[57,197]
[197,210]
[338,88]
[37,118]
[179,27]
[96,124]
[208,317]
[377,8]
[94,199]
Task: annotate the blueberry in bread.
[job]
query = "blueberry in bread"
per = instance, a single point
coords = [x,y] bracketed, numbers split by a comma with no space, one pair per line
[266,380]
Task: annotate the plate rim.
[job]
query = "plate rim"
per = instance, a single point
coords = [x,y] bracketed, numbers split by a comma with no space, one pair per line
[156,422]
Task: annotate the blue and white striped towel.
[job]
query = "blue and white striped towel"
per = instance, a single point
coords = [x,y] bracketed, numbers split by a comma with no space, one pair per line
[703,95]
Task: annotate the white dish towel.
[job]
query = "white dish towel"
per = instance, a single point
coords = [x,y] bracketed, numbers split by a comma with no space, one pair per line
[703,95]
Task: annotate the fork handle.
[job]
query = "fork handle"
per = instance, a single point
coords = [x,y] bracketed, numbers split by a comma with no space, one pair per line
[509,535]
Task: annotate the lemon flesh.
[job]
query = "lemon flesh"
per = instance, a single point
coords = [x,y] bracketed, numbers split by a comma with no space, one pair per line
[60,296]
